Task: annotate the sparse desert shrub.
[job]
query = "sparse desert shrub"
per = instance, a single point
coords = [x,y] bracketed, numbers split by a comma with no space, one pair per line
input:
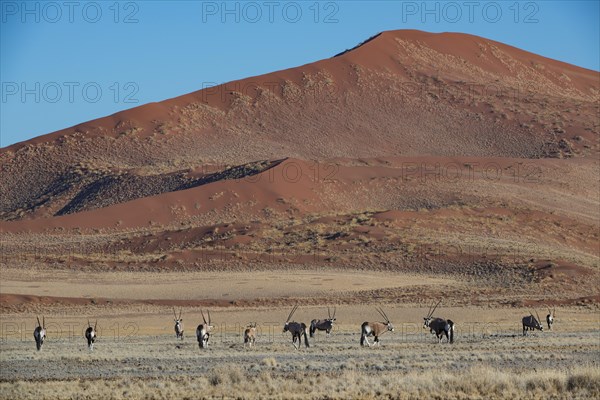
[216,377]
[226,376]
[269,362]
[236,376]
[586,380]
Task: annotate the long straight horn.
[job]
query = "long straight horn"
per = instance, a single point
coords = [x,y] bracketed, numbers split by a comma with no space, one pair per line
[538,316]
[174,313]
[385,315]
[95,325]
[180,310]
[435,308]
[43,322]
[380,311]
[89,325]
[430,307]
[334,310]
[531,312]
[291,313]
[208,311]
[38,319]
[203,316]
[329,312]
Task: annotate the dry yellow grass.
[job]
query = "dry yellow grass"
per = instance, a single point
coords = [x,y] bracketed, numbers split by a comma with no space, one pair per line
[487,361]
[479,382]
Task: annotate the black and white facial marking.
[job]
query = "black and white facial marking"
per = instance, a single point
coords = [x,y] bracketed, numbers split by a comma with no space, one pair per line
[178,325]
[531,323]
[39,333]
[439,326]
[90,335]
[375,329]
[323,324]
[250,334]
[550,318]
[203,331]
[297,329]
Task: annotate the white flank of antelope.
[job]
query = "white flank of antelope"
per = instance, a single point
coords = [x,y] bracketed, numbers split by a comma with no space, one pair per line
[90,335]
[39,333]
[439,326]
[203,331]
[323,324]
[250,334]
[375,329]
[297,329]
[178,325]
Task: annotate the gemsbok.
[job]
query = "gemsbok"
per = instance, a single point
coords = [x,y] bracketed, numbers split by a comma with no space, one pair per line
[550,318]
[298,329]
[250,334]
[203,331]
[178,325]
[530,323]
[375,328]
[323,324]
[90,335]
[440,326]
[39,333]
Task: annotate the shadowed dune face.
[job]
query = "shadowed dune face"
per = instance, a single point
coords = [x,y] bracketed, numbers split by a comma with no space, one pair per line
[403,93]
[414,168]
[528,236]
[409,150]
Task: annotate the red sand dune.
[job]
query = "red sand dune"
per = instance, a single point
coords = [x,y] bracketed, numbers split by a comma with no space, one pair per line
[291,179]
[346,127]
[444,154]
[409,56]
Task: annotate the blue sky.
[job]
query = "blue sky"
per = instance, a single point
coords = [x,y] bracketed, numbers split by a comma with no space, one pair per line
[67,62]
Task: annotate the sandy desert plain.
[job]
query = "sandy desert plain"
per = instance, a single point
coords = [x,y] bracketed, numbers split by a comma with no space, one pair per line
[376,178]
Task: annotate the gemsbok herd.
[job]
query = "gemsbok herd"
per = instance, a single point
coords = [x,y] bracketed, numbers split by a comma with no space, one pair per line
[439,326]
